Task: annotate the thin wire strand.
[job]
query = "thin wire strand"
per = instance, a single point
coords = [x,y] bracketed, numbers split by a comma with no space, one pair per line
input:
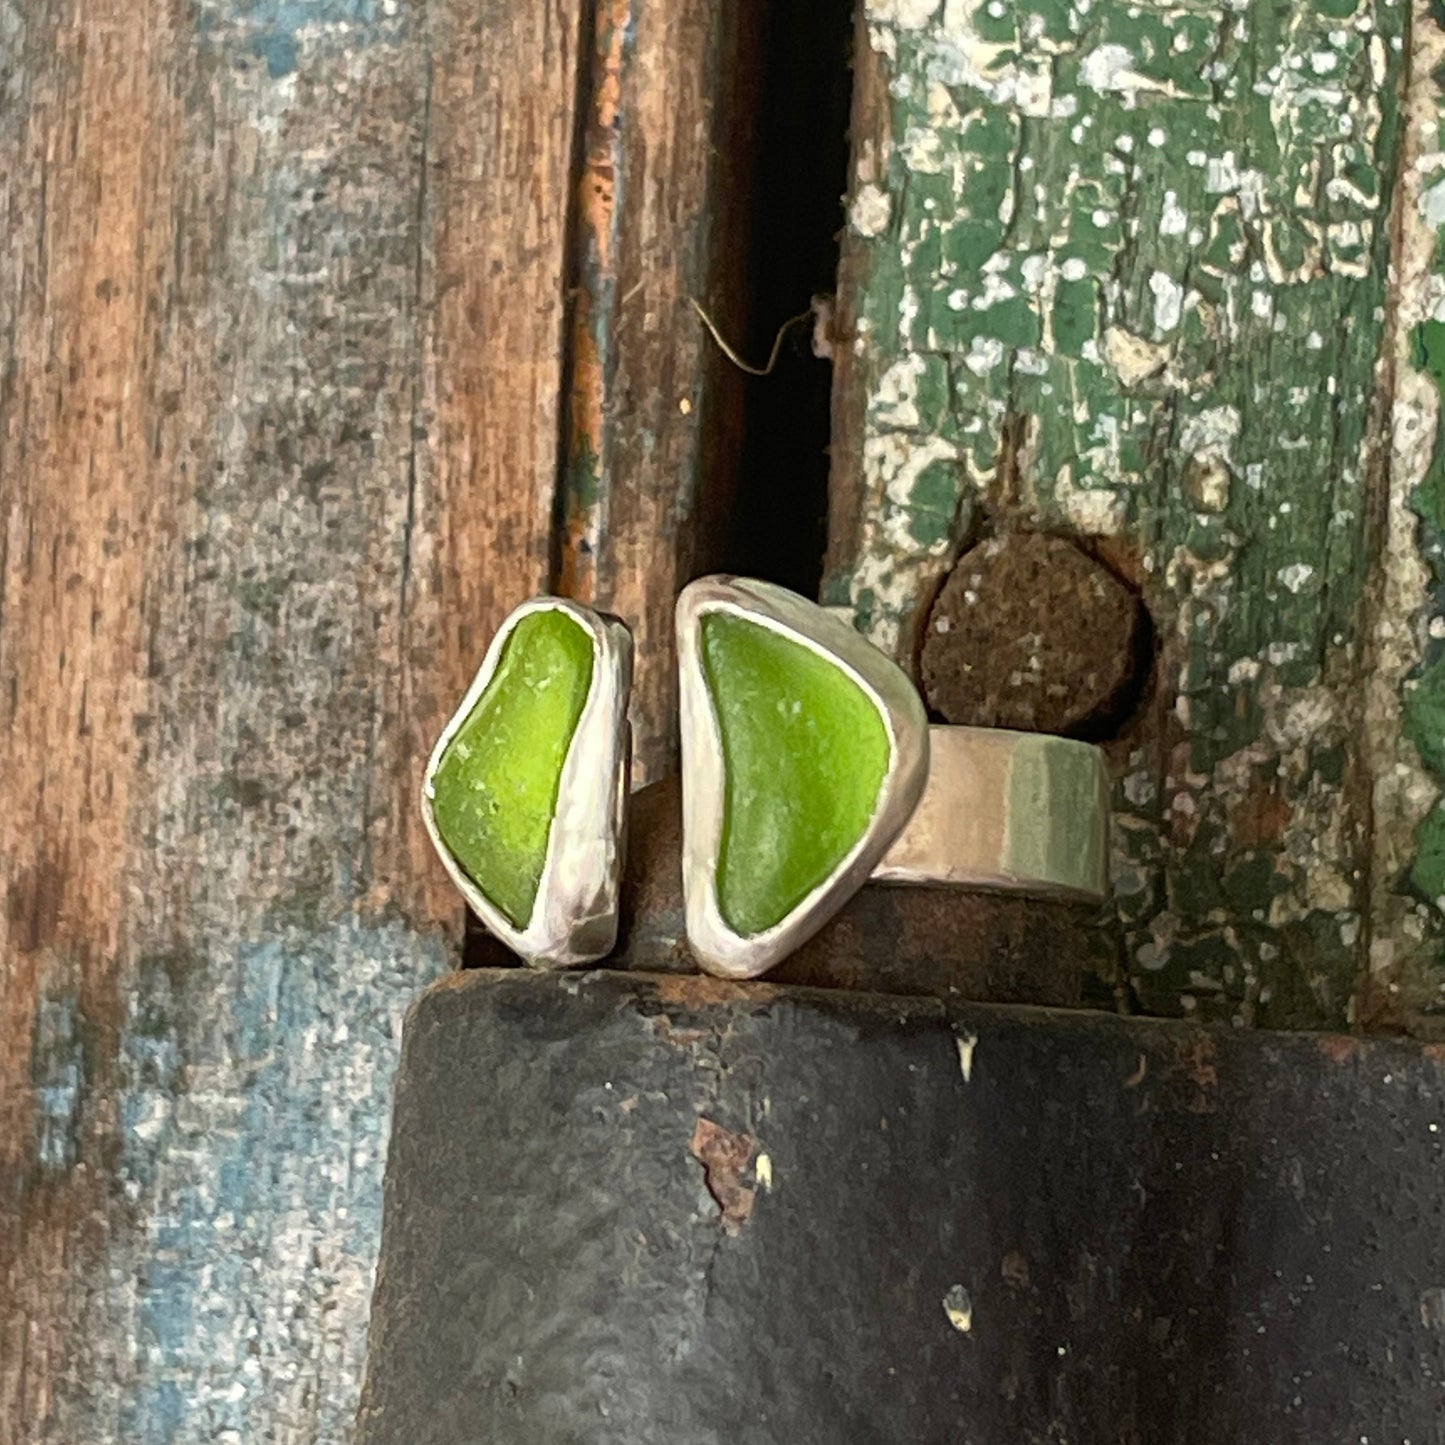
[732,355]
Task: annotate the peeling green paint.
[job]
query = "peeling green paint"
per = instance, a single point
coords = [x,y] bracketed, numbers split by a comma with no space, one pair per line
[1147,247]
[1429,357]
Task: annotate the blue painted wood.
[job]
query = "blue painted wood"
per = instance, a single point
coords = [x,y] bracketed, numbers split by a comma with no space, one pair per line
[254,1116]
[253,537]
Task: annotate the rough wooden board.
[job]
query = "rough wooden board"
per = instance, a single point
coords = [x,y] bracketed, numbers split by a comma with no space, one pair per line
[259,509]
[654,433]
[493,273]
[1120,271]
[1404,716]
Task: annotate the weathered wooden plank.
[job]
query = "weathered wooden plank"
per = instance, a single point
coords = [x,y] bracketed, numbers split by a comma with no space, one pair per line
[1119,271]
[74,435]
[1403,716]
[502,116]
[246,287]
[654,434]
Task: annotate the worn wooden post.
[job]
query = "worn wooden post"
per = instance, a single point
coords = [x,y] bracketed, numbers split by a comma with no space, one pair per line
[1123,274]
[290,379]
[671,1210]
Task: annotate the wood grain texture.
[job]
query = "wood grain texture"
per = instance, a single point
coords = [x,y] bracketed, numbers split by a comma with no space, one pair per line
[495,204]
[663,214]
[278,445]
[73,667]
[1120,272]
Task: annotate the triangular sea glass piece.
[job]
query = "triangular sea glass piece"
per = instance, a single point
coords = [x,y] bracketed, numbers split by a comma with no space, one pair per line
[804,753]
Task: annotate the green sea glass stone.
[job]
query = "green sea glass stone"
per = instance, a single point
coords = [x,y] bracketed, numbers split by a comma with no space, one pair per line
[495,791]
[805,752]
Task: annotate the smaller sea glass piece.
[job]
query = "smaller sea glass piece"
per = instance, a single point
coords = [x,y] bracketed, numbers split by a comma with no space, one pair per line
[525,790]
[495,791]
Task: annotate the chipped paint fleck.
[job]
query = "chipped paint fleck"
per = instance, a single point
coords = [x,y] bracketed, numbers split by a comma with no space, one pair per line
[729,1171]
[57,1077]
[283,34]
[870,211]
[1133,359]
[958,1306]
[966,1043]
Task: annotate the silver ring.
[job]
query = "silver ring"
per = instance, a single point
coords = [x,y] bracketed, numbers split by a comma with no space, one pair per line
[797,732]
[1022,812]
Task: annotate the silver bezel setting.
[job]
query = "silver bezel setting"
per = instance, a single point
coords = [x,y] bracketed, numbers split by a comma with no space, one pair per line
[717,948]
[574,916]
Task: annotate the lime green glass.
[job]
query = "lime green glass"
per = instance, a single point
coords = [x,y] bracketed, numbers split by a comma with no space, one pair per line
[805,753]
[495,791]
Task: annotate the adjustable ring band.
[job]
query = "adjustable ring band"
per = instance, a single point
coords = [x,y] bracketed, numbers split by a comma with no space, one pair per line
[1025,812]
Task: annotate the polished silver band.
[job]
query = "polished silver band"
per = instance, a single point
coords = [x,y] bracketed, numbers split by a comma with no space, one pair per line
[1025,812]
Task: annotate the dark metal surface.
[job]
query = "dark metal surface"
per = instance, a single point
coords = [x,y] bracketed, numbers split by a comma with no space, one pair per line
[630,1209]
